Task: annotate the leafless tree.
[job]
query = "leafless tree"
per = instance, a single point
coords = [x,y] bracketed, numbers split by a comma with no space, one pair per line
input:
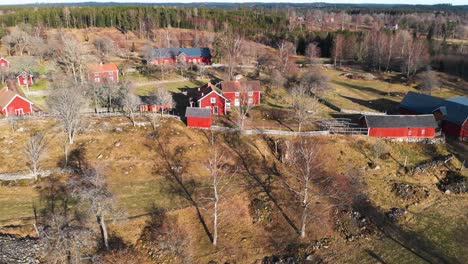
[305,162]
[34,151]
[277,78]
[70,54]
[90,187]
[316,82]
[245,104]
[220,173]
[229,46]
[130,104]
[104,46]
[415,55]
[428,81]
[338,47]
[18,40]
[66,103]
[313,52]
[163,98]
[305,107]
[285,50]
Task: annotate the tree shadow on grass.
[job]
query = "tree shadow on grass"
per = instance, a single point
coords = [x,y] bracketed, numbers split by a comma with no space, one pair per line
[174,169]
[381,104]
[409,240]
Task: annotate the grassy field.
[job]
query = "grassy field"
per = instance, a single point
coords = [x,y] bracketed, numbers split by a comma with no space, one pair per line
[176,86]
[136,176]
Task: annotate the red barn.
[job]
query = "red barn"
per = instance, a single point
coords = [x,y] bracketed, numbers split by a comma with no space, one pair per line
[103,73]
[198,117]
[209,96]
[12,103]
[173,55]
[242,92]
[25,79]
[4,64]
[400,126]
[452,113]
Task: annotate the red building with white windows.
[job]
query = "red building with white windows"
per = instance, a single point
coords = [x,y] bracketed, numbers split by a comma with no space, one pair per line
[25,79]
[242,92]
[4,64]
[12,103]
[209,96]
[103,73]
[400,126]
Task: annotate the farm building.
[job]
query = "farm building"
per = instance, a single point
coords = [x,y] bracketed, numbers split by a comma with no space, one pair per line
[242,91]
[452,113]
[103,73]
[198,117]
[210,97]
[173,55]
[12,103]
[4,64]
[25,79]
[400,126]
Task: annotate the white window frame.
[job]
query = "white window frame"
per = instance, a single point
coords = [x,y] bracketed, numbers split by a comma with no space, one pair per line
[228,105]
[213,100]
[250,93]
[111,78]
[97,79]
[236,93]
[236,102]
[250,101]
[96,74]
[423,132]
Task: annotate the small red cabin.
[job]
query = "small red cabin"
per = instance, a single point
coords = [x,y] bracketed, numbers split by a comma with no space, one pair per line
[4,64]
[198,117]
[12,103]
[242,92]
[400,126]
[103,73]
[25,79]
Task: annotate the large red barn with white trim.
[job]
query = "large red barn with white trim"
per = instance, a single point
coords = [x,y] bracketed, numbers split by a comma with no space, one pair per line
[12,103]
[400,126]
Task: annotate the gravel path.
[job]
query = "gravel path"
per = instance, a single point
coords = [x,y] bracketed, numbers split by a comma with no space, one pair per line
[13,176]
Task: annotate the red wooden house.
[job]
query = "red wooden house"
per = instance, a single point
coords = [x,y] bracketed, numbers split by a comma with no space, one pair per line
[452,113]
[4,64]
[198,117]
[12,103]
[242,92]
[103,73]
[173,55]
[209,96]
[25,79]
[400,126]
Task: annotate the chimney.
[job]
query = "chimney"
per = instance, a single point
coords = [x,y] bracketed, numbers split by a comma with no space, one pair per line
[198,88]
[202,94]
[100,63]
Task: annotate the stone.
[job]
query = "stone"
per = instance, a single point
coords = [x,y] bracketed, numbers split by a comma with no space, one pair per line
[117,144]
[100,156]
[377,167]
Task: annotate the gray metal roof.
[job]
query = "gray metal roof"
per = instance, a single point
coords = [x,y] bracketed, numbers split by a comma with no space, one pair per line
[400,121]
[173,52]
[197,112]
[459,99]
[457,113]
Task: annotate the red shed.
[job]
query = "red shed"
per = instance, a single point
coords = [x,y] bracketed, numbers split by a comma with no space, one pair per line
[242,91]
[198,117]
[4,64]
[103,73]
[25,79]
[209,96]
[12,103]
[400,126]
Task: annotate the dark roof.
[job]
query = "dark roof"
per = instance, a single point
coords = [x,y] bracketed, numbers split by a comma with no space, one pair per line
[240,85]
[400,121]
[197,112]
[173,52]
[204,90]
[457,113]
[459,99]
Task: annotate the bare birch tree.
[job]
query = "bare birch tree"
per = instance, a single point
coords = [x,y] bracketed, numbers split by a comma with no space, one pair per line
[245,104]
[130,105]
[285,50]
[70,54]
[220,175]
[90,187]
[313,53]
[66,103]
[305,163]
[338,47]
[34,151]
[229,46]
[305,107]
[163,98]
